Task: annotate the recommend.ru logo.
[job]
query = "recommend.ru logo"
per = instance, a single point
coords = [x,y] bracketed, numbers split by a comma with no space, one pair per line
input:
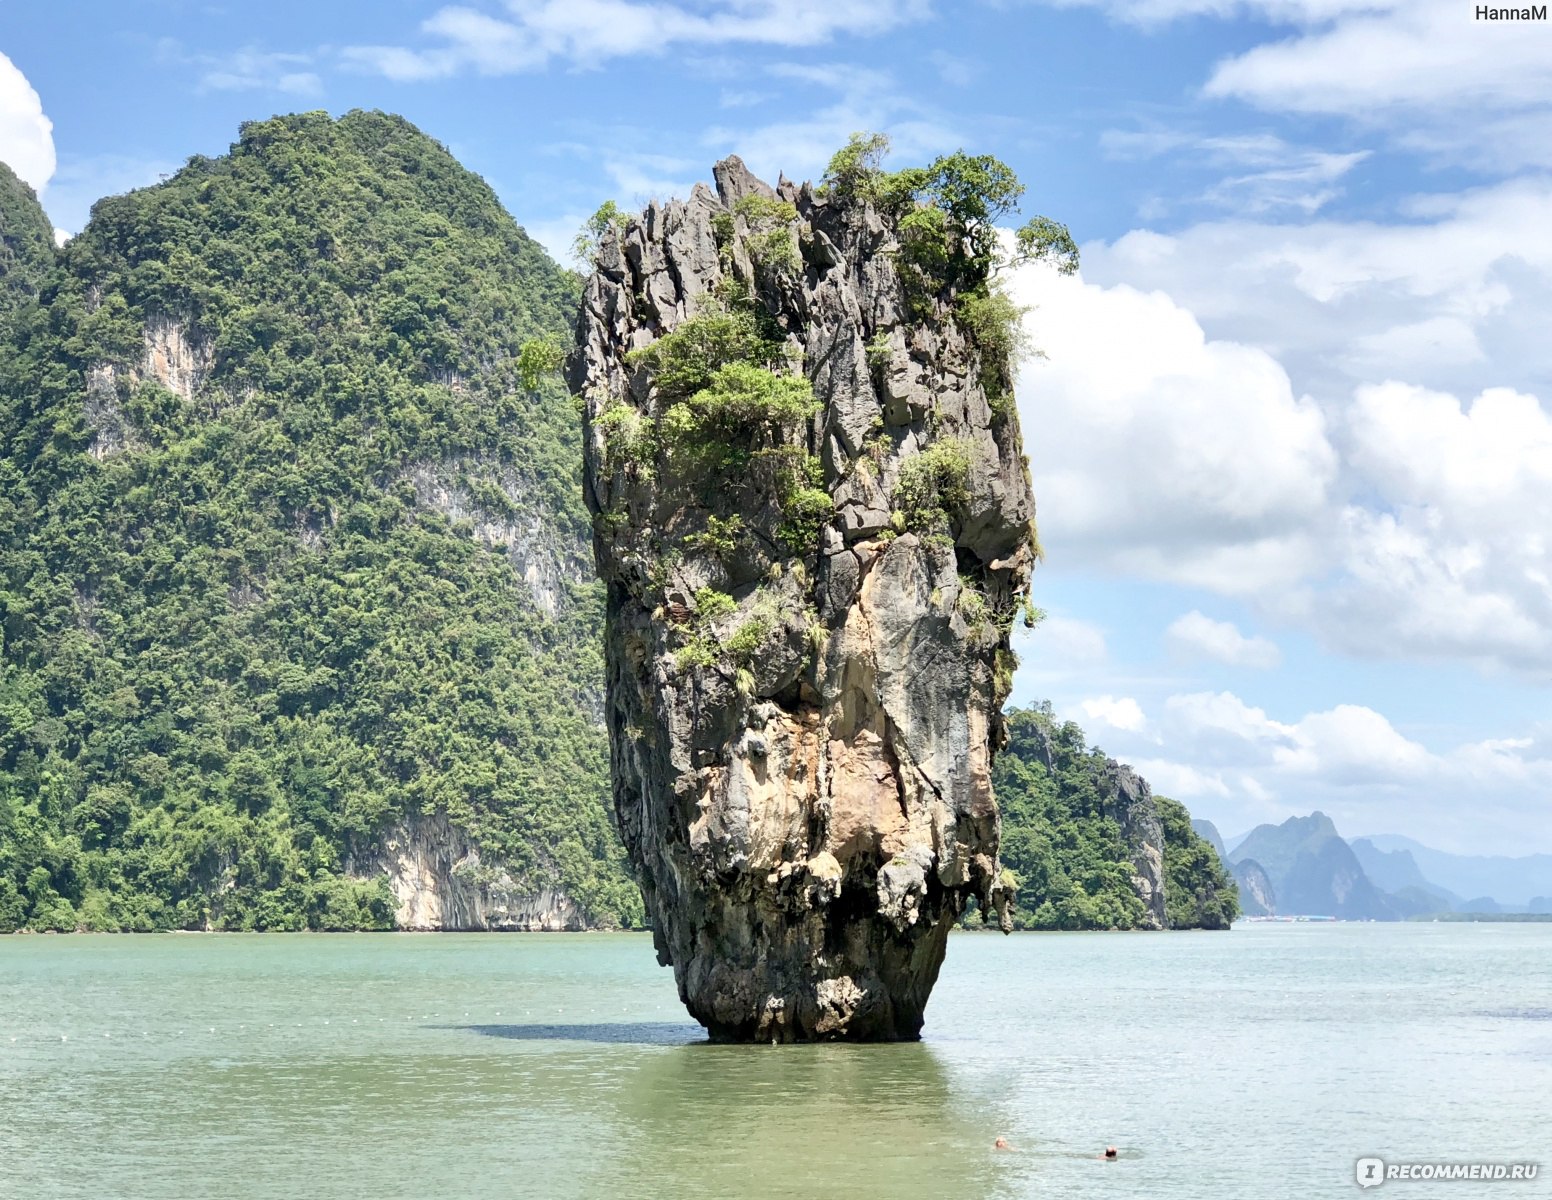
[1371,1172]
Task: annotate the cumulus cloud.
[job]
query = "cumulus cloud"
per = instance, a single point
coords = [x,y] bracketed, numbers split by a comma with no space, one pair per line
[1425,55]
[1238,765]
[1198,634]
[1363,446]
[1114,712]
[1460,564]
[533,33]
[1454,282]
[1161,452]
[26,134]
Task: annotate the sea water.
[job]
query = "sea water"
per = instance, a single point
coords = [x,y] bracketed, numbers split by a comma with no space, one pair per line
[1261,1062]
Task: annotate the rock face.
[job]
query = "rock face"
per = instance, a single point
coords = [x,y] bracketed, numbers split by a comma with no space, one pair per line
[440,883]
[1257,898]
[1129,802]
[802,721]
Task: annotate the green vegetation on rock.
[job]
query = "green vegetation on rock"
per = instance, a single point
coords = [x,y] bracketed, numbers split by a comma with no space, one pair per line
[26,244]
[293,550]
[1199,891]
[271,479]
[1066,848]
[951,246]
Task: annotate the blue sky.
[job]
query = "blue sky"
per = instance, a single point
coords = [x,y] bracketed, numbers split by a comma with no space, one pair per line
[1290,440]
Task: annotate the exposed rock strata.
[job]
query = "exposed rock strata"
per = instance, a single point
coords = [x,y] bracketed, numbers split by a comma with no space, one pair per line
[807,823]
[519,527]
[440,883]
[1128,801]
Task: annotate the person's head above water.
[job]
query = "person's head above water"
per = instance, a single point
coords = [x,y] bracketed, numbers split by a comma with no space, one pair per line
[1110,1152]
[1001,1144]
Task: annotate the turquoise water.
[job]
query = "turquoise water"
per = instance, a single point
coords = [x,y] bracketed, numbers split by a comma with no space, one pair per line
[1261,1062]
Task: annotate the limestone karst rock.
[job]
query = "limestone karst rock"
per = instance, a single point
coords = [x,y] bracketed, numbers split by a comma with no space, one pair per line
[809,601]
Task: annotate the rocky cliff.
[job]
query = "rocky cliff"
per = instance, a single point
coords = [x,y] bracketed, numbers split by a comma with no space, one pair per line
[816,527]
[1089,844]
[440,881]
[1257,897]
[1128,801]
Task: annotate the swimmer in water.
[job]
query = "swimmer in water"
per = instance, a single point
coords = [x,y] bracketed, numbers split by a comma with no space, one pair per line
[1002,1144]
[1110,1154]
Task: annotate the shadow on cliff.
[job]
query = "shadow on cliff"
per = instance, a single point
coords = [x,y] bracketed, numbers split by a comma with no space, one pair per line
[638,1033]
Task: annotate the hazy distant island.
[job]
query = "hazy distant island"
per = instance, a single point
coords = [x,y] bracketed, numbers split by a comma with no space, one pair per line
[1305,867]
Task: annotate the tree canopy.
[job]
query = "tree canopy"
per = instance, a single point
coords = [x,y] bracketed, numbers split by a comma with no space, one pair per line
[289,549]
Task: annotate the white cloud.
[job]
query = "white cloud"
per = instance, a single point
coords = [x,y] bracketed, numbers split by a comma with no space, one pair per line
[1222,641]
[866,98]
[1210,721]
[1238,766]
[252,71]
[1461,563]
[1419,55]
[1290,12]
[1114,712]
[1163,453]
[556,236]
[1352,746]
[1455,281]
[246,70]
[26,134]
[1181,781]
[1067,641]
[590,32]
[1402,518]
[1424,72]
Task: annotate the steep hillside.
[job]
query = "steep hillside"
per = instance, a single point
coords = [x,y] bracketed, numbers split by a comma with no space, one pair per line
[1090,845]
[1257,898]
[1397,871]
[1312,871]
[26,243]
[299,625]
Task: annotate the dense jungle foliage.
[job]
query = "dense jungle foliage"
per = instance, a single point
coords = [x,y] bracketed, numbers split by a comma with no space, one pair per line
[26,243]
[337,573]
[244,629]
[1063,842]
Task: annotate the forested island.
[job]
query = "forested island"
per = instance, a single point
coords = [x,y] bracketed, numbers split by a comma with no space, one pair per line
[299,627]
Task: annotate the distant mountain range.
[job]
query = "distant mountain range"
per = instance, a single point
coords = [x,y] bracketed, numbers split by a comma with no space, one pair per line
[1511,882]
[1305,867]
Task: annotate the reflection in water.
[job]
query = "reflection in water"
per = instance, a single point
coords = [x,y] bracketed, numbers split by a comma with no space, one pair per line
[638,1033]
[720,1120]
